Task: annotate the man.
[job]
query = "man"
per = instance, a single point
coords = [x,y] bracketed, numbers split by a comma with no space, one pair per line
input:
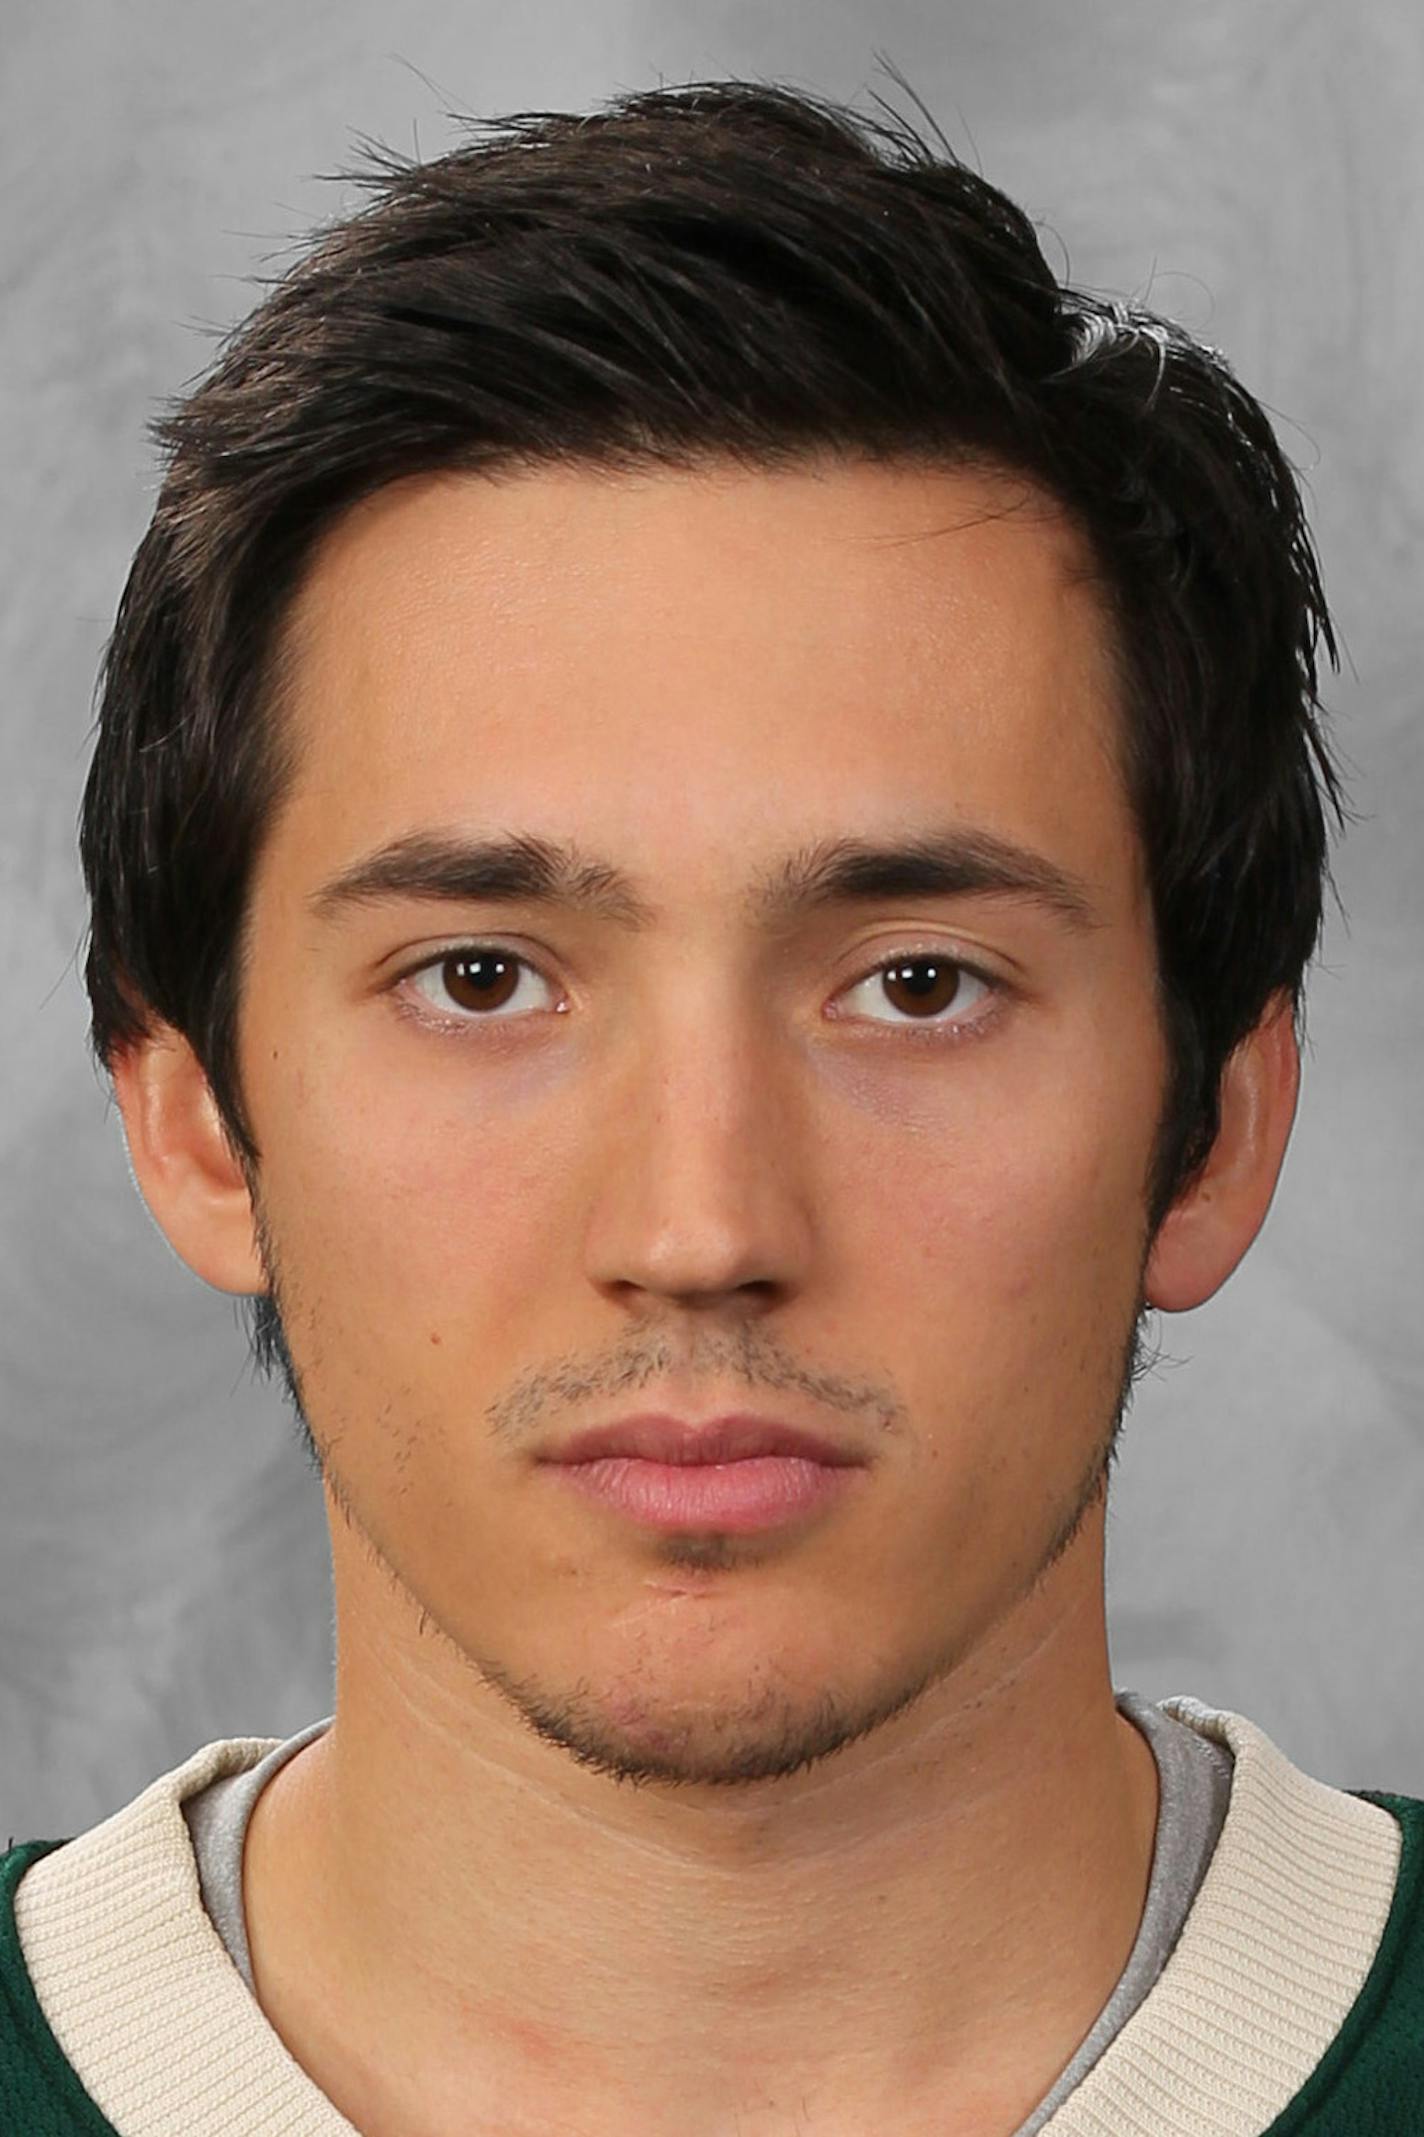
[708,819]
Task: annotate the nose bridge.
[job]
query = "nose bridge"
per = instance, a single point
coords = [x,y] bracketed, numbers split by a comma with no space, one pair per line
[701,1138]
[704,1062]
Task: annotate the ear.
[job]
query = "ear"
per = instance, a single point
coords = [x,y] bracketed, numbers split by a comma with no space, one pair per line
[1208,1230]
[187,1171]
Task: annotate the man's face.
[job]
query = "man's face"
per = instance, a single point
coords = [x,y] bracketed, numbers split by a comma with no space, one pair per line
[718,1161]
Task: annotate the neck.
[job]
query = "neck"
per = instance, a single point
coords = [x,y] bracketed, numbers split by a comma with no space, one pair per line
[448,1917]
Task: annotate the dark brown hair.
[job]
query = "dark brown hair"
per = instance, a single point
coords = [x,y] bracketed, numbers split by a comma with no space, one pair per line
[740,270]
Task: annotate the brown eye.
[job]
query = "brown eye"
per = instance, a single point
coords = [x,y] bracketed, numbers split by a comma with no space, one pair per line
[472,982]
[486,981]
[924,988]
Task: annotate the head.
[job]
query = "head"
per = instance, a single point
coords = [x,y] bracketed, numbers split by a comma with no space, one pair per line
[701,483]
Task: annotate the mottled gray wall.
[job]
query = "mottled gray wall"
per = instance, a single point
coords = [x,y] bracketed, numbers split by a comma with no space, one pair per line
[1257,168]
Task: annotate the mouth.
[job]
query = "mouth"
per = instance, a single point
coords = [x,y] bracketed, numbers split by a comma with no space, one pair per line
[733,1474]
[760,1492]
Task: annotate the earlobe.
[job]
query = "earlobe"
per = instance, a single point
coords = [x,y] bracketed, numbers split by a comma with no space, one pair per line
[186,1169]
[1207,1231]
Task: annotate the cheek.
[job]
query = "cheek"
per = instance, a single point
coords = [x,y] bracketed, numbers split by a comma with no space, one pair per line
[1015,1181]
[403,1206]
[447,1208]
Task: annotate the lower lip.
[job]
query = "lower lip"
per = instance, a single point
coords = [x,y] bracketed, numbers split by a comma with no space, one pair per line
[759,1493]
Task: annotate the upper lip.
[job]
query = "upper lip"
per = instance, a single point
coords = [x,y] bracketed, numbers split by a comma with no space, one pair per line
[718,1439]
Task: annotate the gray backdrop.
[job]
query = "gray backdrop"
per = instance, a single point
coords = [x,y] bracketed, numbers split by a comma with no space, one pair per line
[1254,167]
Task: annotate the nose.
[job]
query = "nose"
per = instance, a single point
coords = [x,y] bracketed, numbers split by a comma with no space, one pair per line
[698,1188]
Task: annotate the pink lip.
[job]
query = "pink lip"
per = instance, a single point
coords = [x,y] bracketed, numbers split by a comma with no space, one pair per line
[761,1492]
[670,1440]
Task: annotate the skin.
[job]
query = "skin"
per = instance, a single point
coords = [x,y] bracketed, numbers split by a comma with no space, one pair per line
[834,1829]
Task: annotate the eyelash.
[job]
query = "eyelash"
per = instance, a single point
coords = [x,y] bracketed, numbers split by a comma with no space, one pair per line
[983,1015]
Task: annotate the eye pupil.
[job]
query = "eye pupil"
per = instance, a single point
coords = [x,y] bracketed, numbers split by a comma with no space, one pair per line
[938,979]
[466,979]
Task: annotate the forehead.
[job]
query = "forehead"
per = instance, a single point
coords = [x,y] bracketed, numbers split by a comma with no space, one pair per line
[693,659]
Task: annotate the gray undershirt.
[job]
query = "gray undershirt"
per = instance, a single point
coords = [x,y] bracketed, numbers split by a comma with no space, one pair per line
[1195,1777]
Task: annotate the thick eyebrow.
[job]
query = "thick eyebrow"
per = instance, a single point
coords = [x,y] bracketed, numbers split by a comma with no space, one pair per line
[522,868]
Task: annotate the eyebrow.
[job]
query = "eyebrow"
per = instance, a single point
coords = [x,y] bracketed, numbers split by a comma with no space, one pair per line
[955,861]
